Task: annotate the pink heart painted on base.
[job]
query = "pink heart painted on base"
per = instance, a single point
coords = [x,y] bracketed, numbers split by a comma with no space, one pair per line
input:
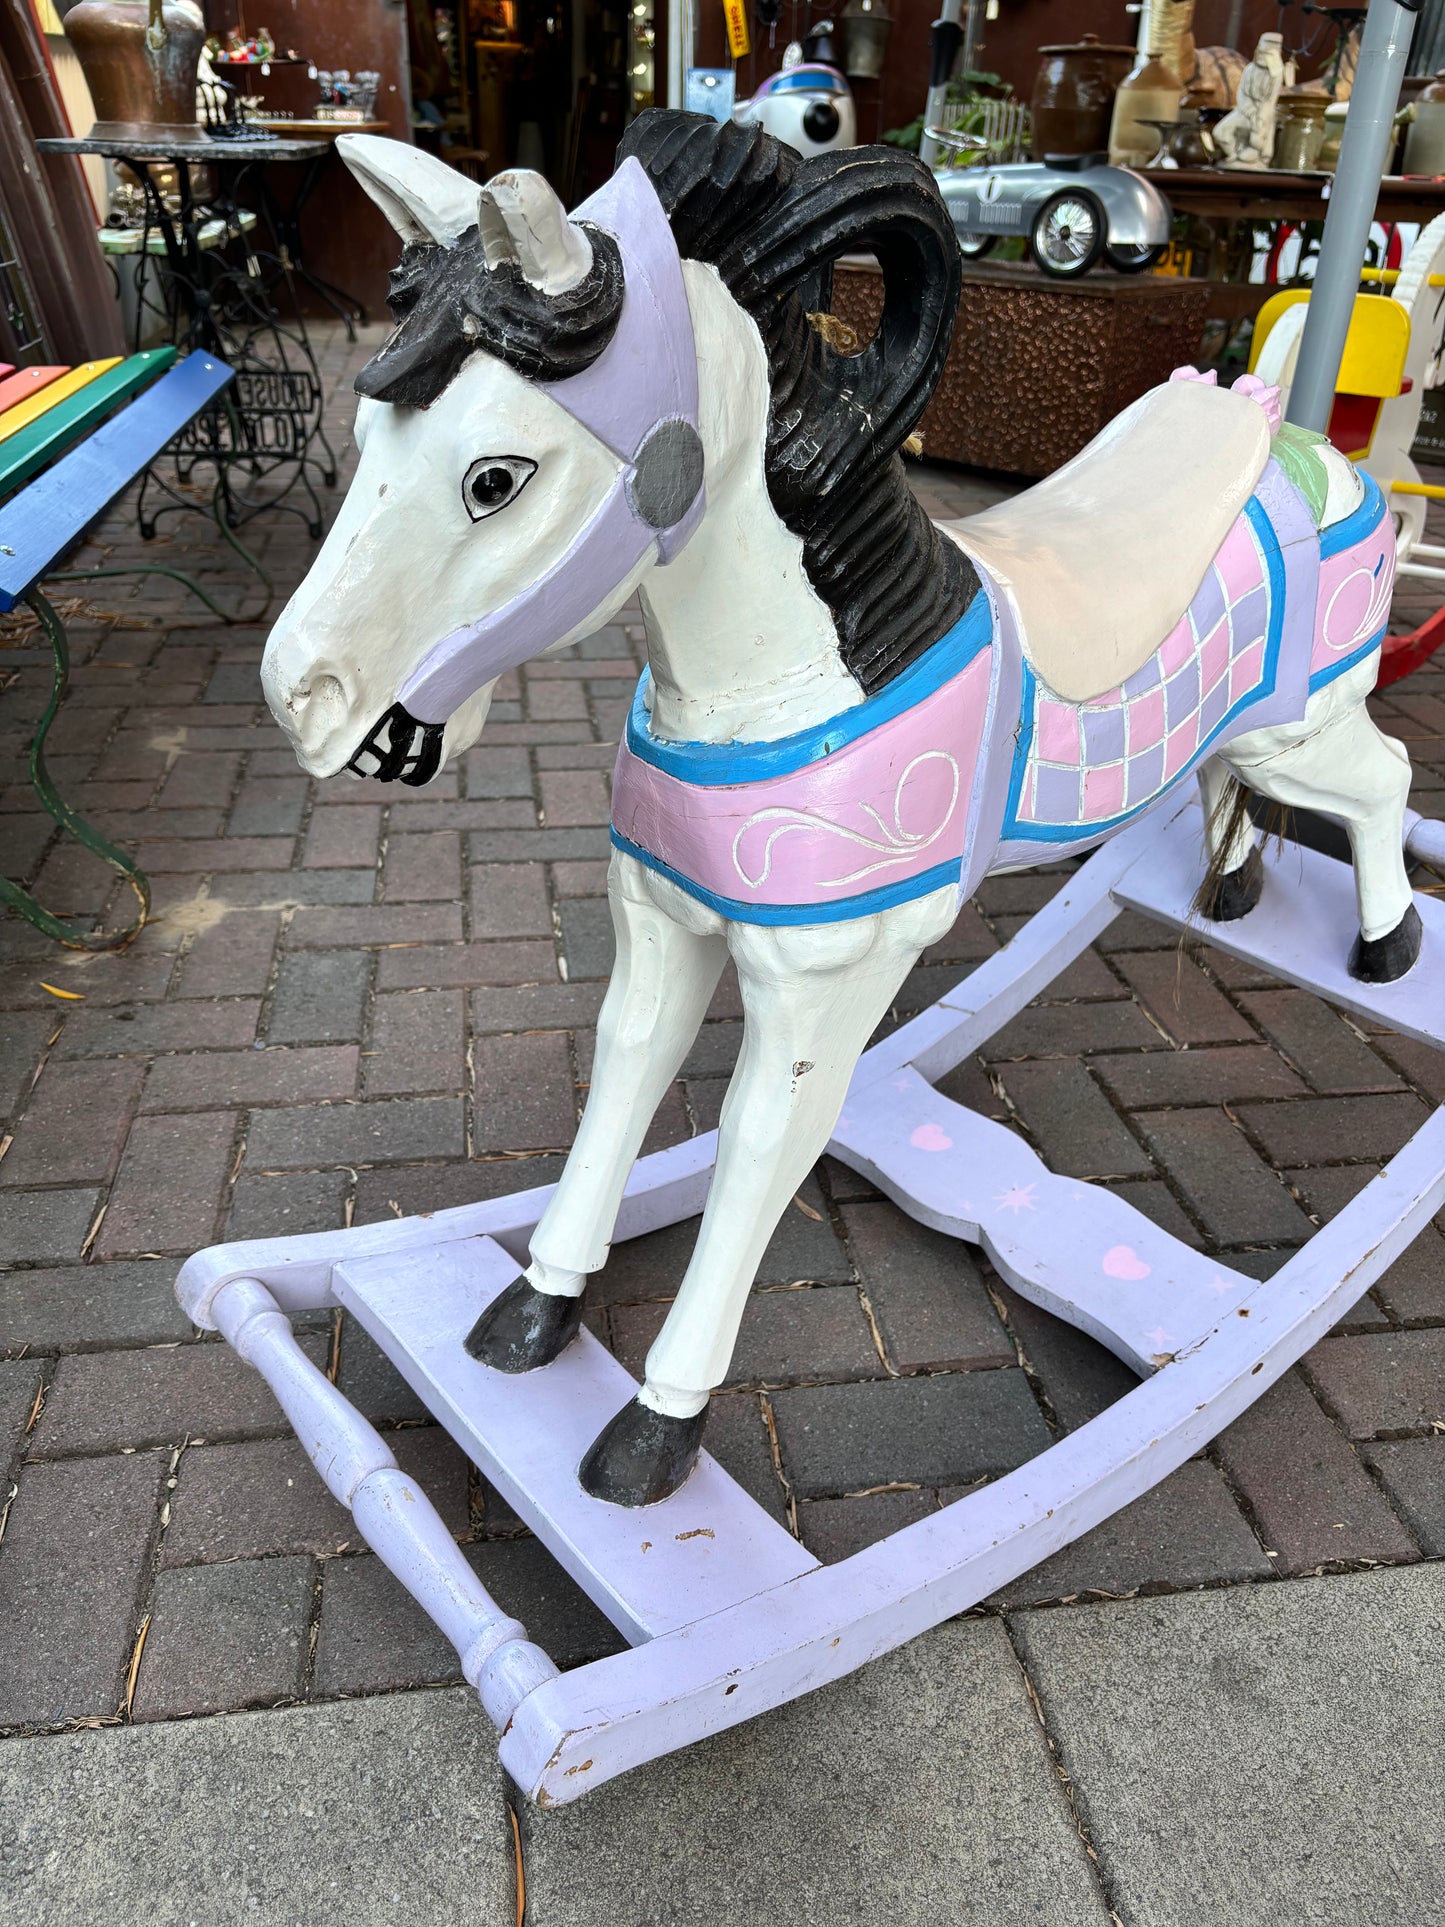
[1122,1261]
[931,1137]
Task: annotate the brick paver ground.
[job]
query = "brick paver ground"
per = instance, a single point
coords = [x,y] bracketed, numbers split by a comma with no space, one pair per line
[353,1003]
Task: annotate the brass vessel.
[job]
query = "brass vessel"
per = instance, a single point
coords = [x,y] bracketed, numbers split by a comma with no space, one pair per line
[139,58]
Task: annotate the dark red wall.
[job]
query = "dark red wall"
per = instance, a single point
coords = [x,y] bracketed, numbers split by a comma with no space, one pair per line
[346,239]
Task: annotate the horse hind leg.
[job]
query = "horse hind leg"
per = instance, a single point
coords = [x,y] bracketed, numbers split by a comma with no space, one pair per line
[1336,762]
[1234,879]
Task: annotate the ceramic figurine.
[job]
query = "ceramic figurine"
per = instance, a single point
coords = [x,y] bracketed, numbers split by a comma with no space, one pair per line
[1245,137]
[850,715]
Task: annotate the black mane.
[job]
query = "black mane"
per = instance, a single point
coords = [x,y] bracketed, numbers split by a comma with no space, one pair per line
[772,224]
[447,303]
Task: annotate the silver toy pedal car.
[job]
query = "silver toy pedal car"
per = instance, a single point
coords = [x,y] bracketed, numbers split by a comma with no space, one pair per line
[1075,210]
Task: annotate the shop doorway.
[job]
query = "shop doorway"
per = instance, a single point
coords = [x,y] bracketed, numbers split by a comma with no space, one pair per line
[547,84]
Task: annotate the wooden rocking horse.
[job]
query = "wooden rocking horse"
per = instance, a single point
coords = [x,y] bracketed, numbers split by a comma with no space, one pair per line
[849,718]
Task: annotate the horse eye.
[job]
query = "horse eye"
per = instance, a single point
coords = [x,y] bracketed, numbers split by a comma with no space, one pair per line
[493,481]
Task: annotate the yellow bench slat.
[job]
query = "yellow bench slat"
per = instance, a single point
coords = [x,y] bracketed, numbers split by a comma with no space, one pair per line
[33,406]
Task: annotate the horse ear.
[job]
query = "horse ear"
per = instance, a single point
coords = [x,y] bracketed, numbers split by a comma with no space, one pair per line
[423,198]
[521,220]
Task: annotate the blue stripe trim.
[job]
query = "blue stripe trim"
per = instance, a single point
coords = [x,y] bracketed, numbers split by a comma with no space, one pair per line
[1015,831]
[843,911]
[1323,677]
[1028,709]
[727,765]
[1357,524]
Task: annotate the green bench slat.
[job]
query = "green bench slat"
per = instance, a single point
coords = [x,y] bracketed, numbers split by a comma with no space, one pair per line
[27,452]
[43,521]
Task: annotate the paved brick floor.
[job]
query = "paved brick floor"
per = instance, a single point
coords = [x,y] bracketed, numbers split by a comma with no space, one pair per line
[353,1003]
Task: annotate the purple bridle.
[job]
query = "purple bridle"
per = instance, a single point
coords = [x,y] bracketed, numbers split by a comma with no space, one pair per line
[639,398]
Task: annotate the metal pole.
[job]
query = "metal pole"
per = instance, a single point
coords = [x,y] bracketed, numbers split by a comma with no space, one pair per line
[972,26]
[679,46]
[1384,49]
[947,38]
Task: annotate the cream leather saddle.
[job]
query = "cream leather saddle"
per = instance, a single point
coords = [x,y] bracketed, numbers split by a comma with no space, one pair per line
[1105,555]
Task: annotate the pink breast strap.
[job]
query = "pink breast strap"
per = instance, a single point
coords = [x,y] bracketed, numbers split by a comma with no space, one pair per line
[883,818]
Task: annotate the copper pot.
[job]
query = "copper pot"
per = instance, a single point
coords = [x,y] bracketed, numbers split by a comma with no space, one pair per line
[139,59]
[1074,94]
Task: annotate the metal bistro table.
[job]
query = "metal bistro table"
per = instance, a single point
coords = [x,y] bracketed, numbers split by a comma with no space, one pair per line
[284,217]
[221,272]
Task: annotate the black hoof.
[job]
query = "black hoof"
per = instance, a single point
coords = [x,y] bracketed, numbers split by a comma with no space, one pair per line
[1236,893]
[641,1456]
[524,1328]
[1382,959]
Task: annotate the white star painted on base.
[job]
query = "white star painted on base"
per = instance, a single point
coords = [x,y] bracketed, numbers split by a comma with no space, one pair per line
[1018,1197]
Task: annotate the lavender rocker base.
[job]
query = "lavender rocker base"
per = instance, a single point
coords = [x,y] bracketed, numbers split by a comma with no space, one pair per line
[728,1615]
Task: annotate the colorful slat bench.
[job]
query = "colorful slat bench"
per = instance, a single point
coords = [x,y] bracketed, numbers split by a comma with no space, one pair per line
[81,438]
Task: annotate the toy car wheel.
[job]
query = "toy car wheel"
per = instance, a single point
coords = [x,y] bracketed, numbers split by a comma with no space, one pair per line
[1132,260]
[1068,234]
[973,247]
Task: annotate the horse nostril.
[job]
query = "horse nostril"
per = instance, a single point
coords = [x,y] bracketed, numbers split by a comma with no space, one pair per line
[317,703]
[325,692]
[311,708]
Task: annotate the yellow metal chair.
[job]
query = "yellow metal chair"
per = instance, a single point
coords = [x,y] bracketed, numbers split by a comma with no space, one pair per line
[1394,354]
[1372,369]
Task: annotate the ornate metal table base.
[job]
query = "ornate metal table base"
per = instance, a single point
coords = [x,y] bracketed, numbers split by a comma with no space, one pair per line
[727,1614]
[215,295]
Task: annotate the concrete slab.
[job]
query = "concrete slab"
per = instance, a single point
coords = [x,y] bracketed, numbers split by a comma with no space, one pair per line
[1267,1754]
[918,1791]
[368,1811]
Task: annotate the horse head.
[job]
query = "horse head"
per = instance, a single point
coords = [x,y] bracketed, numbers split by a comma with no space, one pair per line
[529,437]
[528,445]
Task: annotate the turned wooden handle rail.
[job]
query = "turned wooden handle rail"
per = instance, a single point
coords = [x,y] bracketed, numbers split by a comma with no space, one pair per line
[400,1524]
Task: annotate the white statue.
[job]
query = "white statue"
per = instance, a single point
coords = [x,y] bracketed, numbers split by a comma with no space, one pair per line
[1245,137]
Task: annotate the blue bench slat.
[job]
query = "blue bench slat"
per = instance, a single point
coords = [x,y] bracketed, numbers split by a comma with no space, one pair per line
[48,517]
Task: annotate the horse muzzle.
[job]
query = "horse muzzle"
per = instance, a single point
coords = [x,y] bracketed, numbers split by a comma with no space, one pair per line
[403,749]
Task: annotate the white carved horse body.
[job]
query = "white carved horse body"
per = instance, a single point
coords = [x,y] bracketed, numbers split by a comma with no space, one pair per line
[849,719]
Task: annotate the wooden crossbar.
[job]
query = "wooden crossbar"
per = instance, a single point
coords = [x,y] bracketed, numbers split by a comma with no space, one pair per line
[46,438]
[43,521]
[51,395]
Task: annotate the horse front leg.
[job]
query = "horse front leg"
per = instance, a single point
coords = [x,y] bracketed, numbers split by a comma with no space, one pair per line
[661,984]
[811,999]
